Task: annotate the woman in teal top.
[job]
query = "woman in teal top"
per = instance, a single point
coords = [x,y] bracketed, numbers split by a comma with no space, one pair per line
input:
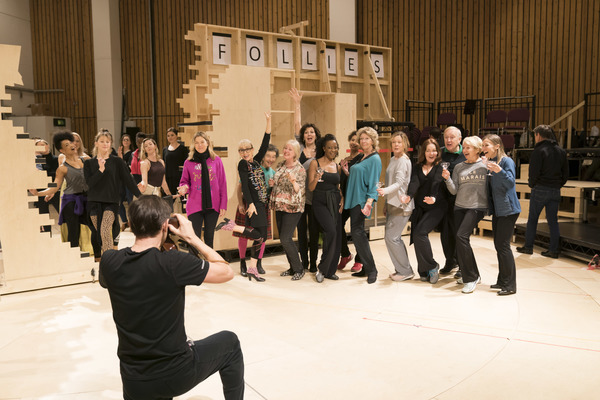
[360,195]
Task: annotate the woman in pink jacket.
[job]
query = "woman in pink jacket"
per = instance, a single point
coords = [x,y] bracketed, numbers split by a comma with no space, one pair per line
[203,179]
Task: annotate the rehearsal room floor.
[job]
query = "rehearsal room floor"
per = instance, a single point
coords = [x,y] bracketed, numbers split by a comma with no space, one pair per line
[340,339]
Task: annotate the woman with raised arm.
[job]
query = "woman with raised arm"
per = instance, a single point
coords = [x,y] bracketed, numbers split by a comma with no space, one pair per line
[430,198]
[153,170]
[397,214]
[254,190]
[308,228]
[360,196]
[204,181]
[287,199]
[469,184]
[505,208]
[105,174]
[240,212]
[328,203]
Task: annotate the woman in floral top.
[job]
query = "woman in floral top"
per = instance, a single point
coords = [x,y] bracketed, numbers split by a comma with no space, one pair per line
[287,198]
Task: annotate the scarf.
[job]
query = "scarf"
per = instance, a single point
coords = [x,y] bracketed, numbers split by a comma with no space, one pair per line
[206,197]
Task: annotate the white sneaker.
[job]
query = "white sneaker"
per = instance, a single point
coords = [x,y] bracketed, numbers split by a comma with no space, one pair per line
[470,286]
[460,280]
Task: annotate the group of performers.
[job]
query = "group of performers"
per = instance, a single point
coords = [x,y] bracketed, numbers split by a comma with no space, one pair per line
[450,188]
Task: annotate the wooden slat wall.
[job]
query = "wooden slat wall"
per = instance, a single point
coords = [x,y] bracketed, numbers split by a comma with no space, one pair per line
[451,50]
[63,58]
[173,54]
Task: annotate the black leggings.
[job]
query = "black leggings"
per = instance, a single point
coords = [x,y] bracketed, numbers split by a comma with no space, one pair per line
[208,218]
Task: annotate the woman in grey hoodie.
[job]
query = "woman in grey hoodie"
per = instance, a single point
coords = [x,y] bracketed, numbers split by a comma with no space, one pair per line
[469,184]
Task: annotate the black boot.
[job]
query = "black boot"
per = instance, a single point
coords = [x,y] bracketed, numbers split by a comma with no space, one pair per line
[243,267]
[259,267]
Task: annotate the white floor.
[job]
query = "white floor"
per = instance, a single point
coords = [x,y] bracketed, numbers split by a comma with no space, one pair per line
[337,340]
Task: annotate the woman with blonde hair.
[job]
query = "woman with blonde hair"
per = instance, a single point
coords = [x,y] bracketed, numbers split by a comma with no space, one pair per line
[505,208]
[105,175]
[360,196]
[397,214]
[469,184]
[203,180]
[287,199]
[153,169]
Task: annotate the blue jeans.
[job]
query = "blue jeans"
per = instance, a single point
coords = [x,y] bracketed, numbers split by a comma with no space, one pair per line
[543,196]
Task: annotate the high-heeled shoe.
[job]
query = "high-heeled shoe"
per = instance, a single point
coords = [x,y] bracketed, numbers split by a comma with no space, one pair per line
[226,225]
[252,273]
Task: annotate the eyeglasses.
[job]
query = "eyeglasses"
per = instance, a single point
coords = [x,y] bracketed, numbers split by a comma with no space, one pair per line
[245,150]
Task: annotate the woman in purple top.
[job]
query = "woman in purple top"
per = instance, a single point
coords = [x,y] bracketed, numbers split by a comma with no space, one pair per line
[203,179]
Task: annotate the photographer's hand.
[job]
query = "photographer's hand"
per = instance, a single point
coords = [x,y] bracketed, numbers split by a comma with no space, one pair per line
[185,230]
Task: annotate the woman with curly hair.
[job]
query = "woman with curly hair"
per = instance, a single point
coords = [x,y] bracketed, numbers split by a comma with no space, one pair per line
[328,203]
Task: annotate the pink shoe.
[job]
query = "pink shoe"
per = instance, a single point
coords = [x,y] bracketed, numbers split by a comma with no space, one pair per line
[226,225]
[344,261]
[356,267]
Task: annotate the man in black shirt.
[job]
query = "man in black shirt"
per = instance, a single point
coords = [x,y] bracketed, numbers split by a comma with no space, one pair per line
[147,294]
[452,154]
[548,172]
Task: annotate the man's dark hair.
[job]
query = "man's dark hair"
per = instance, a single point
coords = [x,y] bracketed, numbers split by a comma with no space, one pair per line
[60,136]
[147,215]
[545,132]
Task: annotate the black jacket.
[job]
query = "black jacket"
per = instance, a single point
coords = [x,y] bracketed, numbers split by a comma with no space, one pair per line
[548,165]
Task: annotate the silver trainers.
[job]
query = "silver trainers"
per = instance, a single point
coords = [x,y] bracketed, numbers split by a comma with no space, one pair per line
[470,286]
[434,274]
[396,277]
[319,276]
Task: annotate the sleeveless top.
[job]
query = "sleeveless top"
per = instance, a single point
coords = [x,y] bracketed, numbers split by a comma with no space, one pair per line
[75,180]
[327,193]
[331,180]
[156,173]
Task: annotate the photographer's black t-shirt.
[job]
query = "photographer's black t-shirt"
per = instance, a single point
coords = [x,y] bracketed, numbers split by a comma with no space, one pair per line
[147,294]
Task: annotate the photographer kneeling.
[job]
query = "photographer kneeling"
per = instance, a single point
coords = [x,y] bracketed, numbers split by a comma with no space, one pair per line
[147,293]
